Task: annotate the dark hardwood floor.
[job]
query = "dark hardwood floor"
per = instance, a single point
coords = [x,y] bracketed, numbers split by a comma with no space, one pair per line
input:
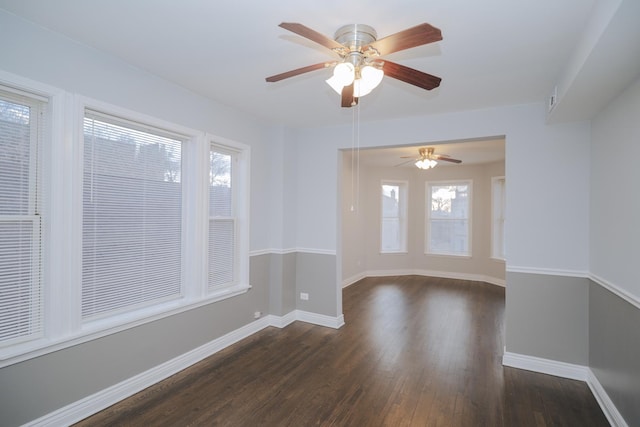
[415,351]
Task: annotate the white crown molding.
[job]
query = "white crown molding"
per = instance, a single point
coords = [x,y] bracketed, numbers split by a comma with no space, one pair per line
[571,371]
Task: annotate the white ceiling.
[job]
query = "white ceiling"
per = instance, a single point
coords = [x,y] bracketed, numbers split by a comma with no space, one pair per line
[470,152]
[493,52]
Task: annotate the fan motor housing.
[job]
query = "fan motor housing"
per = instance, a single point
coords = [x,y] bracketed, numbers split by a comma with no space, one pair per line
[354,36]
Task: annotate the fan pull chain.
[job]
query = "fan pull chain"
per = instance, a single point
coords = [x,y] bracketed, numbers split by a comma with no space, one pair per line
[355,158]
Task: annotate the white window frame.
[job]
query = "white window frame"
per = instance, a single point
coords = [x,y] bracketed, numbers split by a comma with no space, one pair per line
[129,122]
[498,217]
[38,118]
[240,179]
[403,196]
[62,164]
[427,207]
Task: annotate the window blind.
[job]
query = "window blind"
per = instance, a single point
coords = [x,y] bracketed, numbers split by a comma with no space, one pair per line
[222,221]
[132,217]
[21,309]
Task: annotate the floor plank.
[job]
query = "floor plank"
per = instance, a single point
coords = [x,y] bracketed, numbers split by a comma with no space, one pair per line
[415,351]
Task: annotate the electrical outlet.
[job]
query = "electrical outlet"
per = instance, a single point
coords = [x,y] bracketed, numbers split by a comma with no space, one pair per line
[304,296]
[257,314]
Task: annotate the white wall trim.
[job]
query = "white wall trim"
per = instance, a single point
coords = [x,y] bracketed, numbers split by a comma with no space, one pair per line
[607,406]
[96,402]
[273,251]
[625,295]
[282,321]
[89,405]
[320,319]
[292,251]
[316,251]
[434,273]
[353,279]
[617,290]
[571,371]
[545,366]
[547,271]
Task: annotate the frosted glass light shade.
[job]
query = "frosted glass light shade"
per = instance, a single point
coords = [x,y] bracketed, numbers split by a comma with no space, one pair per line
[426,164]
[370,77]
[344,73]
[335,84]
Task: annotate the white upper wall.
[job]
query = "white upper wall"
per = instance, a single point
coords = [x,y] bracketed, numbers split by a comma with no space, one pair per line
[547,168]
[43,56]
[615,198]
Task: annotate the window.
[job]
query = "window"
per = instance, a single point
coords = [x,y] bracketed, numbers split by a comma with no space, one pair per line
[131,205]
[393,234]
[448,223]
[498,193]
[222,222]
[21,302]
[132,216]
[228,200]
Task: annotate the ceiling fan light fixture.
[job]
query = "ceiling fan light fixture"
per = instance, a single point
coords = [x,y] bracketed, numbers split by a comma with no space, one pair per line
[426,164]
[335,84]
[370,78]
[344,73]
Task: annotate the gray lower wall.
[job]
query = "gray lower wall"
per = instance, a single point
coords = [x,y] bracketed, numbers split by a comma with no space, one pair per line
[548,317]
[614,349]
[39,386]
[282,295]
[36,387]
[316,275]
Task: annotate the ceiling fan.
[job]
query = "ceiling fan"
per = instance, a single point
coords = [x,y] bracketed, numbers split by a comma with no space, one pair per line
[360,69]
[428,159]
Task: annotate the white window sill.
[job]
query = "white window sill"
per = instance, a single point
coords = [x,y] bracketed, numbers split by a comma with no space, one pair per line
[103,327]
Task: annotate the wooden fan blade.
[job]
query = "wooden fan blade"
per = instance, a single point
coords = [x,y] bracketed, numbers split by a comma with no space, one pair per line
[410,75]
[411,37]
[445,158]
[312,35]
[298,71]
[348,100]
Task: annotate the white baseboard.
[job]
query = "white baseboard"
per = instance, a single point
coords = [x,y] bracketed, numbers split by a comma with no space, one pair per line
[545,366]
[609,409]
[96,402]
[353,279]
[430,273]
[282,321]
[571,371]
[320,319]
